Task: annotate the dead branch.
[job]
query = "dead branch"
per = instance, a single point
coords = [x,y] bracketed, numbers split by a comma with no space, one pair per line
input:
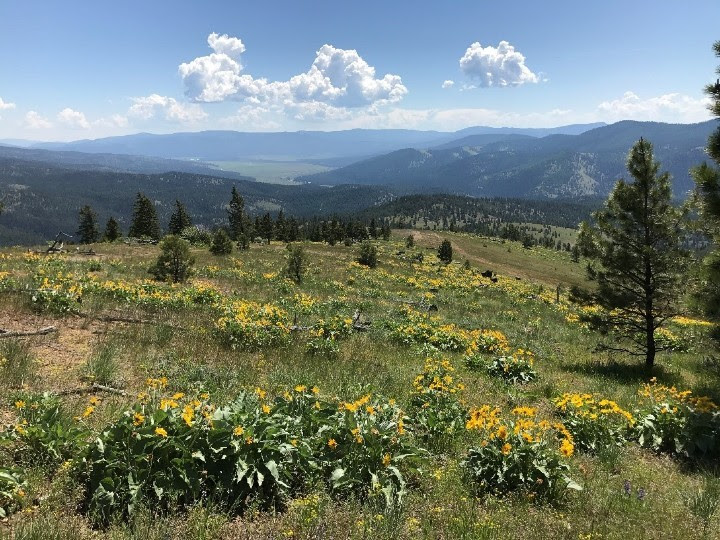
[21,333]
[95,387]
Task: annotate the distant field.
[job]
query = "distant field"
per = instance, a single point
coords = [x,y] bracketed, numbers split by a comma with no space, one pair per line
[541,265]
[272,172]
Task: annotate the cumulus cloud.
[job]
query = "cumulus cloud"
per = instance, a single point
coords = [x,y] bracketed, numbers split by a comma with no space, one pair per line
[4,105]
[496,66]
[114,121]
[256,118]
[73,119]
[33,120]
[672,107]
[448,84]
[337,78]
[225,44]
[148,107]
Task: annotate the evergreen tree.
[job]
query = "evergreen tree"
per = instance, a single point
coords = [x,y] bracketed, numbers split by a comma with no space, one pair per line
[112,230]
[445,253]
[280,227]
[707,180]
[295,262]
[266,227]
[174,262]
[179,220]
[144,220]
[221,243]
[373,229]
[636,257]
[410,241]
[88,232]
[386,231]
[236,215]
[367,255]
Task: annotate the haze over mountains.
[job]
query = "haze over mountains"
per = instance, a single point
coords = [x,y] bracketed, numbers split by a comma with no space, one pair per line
[43,186]
[295,145]
[515,165]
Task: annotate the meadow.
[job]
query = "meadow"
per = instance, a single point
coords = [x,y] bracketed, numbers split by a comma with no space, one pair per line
[272,172]
[410,400]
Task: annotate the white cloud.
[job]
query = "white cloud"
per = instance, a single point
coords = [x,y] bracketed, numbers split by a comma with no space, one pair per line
[672,107]
[148,107]
[114,121]
[448,84]
[73,119]
[496,66]
[33,120]
[225,44]
[252,117]
[337,78]
[4,105]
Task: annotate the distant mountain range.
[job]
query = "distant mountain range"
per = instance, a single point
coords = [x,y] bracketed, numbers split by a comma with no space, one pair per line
[42,189]
[113,162]
[289,146]
[517,165]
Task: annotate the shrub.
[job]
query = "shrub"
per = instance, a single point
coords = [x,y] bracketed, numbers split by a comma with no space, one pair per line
[221,243]
[595,424]
[295,262]
[56,290]
[175,262]
[674,421]
[196,235]
[326,334]
[435,410]
[249,452]
[367,254]
[518,453]
[43,433]
[251,326]
[513,369]
[12,491]
[410,241]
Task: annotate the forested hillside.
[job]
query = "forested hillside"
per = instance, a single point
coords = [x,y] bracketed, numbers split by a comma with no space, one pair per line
[41,200]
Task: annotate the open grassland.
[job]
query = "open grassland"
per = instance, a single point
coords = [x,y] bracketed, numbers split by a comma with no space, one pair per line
[338,425]
[272,172]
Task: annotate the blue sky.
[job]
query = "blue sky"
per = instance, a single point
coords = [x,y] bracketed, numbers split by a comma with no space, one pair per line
[80,69]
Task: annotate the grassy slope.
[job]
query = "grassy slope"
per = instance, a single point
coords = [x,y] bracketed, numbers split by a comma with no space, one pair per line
[545,266]
[439,506]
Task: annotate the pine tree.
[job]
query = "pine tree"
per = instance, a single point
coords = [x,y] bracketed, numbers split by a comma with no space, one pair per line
[87,229]
[445,253]
[221,243]
[112,230]
[707,180]
[296,262]
[236,216]
[174,262]
[281,227]
[144,220]
[636,257]
[179,220]
[266,227]
[367,254]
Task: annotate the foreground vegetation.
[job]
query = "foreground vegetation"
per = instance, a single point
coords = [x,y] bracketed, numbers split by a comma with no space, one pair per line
[412,399]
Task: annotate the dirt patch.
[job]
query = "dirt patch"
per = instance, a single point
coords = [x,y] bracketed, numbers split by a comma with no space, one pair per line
[60,355]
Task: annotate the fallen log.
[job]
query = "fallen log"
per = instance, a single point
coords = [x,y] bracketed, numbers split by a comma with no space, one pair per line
[24,333]
[95,387]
